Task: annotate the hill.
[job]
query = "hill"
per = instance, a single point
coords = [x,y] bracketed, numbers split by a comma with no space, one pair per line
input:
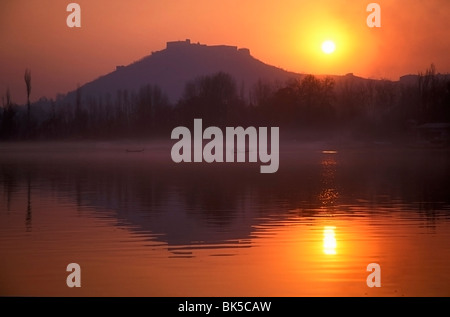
[182,61]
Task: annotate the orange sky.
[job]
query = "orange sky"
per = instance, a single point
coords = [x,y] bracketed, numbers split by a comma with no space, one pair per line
[287,34]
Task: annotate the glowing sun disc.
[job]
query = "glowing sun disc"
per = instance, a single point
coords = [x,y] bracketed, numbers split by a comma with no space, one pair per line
[328,47]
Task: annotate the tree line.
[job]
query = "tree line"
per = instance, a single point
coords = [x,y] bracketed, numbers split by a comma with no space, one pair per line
[371,109]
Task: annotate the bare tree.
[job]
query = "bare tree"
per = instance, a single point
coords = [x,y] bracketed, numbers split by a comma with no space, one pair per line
[8,97]
[27,78]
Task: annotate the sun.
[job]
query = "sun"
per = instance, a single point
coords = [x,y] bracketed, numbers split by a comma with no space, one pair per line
[328,47]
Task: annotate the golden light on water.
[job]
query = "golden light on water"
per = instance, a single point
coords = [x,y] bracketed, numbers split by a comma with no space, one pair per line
[329,152]
[329,240]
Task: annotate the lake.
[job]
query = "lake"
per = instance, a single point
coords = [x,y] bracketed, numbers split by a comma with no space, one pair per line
[140,225]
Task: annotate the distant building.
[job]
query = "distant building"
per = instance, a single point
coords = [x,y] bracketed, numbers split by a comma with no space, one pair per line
[178,44]
[220,48]
[245,51]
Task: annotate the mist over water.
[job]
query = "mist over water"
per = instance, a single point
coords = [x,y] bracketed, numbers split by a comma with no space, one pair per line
[139,224]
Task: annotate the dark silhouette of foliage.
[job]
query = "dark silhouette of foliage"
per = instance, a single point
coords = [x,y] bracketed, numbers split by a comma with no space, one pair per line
[213,98]
[322,106]
[8,128]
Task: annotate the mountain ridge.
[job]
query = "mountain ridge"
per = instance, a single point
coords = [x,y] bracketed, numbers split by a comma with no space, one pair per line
[182,61]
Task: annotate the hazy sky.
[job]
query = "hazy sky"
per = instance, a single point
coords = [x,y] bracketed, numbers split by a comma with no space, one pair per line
[287,34]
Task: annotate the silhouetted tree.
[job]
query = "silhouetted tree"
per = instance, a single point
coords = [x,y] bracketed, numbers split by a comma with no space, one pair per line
[151,109]
[316,97]
[213,98]
[305,103]
[80,121]
[27,78]
[433,90]
[8,124]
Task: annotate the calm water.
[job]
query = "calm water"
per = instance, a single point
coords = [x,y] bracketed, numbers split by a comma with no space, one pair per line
[140,225]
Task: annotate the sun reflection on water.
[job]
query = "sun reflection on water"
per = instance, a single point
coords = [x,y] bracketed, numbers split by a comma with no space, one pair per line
[329,240]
